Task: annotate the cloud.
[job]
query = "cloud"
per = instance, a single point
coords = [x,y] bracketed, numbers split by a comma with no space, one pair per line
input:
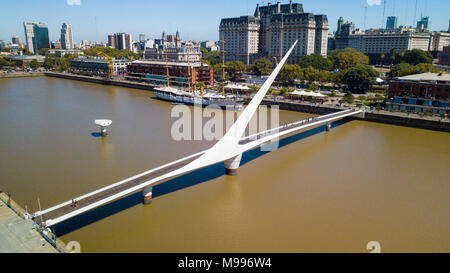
[73,2]
[374,2]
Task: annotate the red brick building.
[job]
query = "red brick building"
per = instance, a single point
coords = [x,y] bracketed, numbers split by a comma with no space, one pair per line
[156,72]
[427,92]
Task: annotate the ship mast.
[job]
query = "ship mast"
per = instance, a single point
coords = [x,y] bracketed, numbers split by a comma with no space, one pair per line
[189,70]
[223,68]
[167,69]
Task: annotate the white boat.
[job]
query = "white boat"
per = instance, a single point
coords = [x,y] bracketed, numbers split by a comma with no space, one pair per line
[176,95]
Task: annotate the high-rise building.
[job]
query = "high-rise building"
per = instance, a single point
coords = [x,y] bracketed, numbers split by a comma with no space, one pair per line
[15,40]
[120,41]
[112,41]
[141,37]
[423,23]
[271,31]
[36,36]
[339,25]
[66,36]
[391,22]
[29,36]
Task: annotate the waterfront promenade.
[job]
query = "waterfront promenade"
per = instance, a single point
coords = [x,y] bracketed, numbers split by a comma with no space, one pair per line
[17,235]
[372,115]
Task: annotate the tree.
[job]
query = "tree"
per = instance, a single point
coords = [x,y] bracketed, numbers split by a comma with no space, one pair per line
[25,51]
[313,87]
[348,97]
[392,55]
[360,78]
[4,63]
[405,69]
[310,74]
[382,57]
[112,52]
[417,56]
[426,67]
[316,61]
[34,64]
[289,73]
[347,58]
[402,69]
[235,69]
[262,67]
[60,64]
[210,58]
[43,51]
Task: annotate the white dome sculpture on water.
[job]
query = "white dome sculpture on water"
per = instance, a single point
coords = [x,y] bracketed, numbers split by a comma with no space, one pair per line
[103,123]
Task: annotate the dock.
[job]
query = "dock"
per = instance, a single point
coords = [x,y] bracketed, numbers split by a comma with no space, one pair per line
[18,235]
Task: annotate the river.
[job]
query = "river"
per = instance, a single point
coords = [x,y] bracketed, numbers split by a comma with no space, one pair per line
[319,192]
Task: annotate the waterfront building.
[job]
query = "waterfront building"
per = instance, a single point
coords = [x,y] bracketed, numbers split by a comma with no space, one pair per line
[156,72]
[172,48]
[24,60]
[420,93]
[67,36]
[120,41]
[209,45]
[391,22]
[64,52]
[36,36]
[271,31]
[97,66]
[382,41]
[240,38]
[439,40]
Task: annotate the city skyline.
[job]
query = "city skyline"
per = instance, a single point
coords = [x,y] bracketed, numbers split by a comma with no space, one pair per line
[135,17]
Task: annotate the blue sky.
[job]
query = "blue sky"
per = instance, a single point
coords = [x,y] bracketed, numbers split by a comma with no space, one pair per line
[195,19]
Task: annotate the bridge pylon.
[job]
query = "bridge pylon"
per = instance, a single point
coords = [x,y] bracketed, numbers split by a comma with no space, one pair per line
[232,165]
[147,195]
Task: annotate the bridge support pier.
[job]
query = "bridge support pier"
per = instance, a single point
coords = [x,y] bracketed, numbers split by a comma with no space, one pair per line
[147,195]
[232,165]
[328,127]
[103,131]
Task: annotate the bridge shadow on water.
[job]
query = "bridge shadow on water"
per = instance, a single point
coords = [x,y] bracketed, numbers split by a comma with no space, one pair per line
[175,184]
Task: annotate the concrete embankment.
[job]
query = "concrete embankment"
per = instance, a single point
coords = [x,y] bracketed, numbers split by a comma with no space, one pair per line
[400,119]
[21,75]
[17,234]
[103,81]
[394,118]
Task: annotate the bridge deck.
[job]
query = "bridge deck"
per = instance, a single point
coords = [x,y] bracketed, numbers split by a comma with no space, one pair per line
[81,203]
[291,126]
[97,198]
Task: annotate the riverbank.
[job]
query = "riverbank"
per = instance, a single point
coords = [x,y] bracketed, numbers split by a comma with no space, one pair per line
[120,83]
[17,234]
[380,116]
[21,75]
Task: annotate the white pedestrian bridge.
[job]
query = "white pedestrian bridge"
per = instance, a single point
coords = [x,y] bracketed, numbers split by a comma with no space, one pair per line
[228,149]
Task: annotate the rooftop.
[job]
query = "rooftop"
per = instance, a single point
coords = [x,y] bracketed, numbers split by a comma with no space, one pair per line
[196,64]
[427,77]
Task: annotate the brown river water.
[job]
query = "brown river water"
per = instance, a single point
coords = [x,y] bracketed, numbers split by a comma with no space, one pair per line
[319,192]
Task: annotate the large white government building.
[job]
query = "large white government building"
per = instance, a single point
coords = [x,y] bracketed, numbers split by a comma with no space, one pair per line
[271,31]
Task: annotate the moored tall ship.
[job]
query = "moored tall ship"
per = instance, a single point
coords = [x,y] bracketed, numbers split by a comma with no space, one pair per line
[195,97]
[178,95]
